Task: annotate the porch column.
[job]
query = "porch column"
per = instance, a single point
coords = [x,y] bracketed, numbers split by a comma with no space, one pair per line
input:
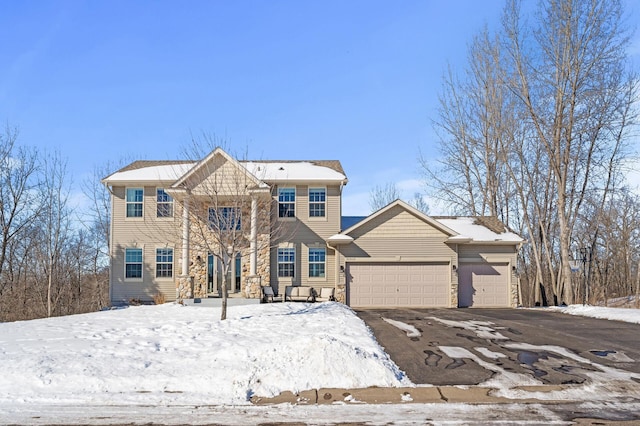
[253,259]
[185,238]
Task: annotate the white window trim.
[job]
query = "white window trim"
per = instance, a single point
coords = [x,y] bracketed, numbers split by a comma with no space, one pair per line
[124,271]
[309,202]
[295,258]
[309,277]
[173,263]
[295,203]
[126,203]
[173,207]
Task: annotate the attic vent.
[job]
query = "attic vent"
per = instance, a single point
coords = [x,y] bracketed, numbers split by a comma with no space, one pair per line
[281,168]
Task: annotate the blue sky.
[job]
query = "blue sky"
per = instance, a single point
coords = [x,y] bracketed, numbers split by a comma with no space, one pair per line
[352,80]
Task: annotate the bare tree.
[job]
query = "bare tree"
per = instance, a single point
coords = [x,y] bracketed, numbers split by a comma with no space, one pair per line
[18,203]
[97,224]
[56,225]
[229,208]
[475,115]
[381,195]
[576,93]
[419,203]
[540,124]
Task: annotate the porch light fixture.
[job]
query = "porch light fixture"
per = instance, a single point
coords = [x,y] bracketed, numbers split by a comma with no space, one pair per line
[454,267]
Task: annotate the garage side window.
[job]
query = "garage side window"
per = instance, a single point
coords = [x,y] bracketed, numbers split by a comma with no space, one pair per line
[317,262]
[286,262]
[133,263]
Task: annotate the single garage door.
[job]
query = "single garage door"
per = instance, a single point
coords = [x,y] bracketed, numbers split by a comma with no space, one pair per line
[483,285]
[398,284]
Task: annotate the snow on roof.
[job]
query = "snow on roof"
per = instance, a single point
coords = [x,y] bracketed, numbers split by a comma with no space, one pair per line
[270,171]
[157,172]
[471,228]
[276,171]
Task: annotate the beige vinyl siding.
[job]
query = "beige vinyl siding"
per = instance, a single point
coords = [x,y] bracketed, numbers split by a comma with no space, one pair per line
[125,290]
[471,250]
[148,233]
[222,176]
[304,233]
[399,223]
[399,233]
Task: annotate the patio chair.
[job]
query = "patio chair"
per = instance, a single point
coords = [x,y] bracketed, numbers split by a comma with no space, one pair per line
[268,296]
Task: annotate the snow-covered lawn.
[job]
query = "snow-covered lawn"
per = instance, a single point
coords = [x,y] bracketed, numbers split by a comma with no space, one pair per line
[617,314]
[172,354]
[173,364]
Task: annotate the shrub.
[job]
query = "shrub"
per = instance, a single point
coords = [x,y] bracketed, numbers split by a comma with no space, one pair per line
[159,299]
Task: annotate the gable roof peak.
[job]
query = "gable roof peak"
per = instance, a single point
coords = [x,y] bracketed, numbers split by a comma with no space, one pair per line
[407,207]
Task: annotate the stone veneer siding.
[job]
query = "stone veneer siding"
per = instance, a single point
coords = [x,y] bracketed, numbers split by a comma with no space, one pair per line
[195,284]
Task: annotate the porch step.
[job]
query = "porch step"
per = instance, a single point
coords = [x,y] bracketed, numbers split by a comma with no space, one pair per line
[216,302]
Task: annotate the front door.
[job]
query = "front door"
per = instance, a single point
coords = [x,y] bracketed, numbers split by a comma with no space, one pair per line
[215,275]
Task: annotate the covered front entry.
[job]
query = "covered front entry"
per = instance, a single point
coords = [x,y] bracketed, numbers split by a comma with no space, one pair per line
[483,285]
[398,284]
[215,275]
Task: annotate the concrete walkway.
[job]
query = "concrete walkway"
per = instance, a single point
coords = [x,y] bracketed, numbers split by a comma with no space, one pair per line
[421,395]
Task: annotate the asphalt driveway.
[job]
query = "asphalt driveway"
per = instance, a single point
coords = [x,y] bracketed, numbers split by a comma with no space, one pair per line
[468,346]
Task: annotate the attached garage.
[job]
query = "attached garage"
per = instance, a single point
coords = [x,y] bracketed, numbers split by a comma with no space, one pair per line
[398,284]
[401,257]
[483,285]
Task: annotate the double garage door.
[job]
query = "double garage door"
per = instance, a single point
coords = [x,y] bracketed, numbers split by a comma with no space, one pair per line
[398,284]
[426,285]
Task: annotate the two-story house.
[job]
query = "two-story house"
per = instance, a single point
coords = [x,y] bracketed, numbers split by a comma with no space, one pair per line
[286,211]
[183,229]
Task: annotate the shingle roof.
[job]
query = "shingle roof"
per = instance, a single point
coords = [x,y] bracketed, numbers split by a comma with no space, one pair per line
[141,164]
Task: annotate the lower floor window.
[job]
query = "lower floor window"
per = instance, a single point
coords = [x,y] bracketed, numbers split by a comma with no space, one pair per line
[286,262]
[164,263]
[133,263]
[316,262]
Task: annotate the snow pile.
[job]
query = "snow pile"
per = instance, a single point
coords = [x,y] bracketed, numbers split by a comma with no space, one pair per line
[616,314]
[172,354]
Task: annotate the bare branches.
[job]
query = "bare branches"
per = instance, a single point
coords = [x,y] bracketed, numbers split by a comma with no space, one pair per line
[544,112]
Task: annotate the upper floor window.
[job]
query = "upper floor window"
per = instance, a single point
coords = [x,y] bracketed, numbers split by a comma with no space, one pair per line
[225,218]
[317,202]
[164,263]
[133,263]
[317,262]
[286,262]
[134,200]
[286,202]
[164,203]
